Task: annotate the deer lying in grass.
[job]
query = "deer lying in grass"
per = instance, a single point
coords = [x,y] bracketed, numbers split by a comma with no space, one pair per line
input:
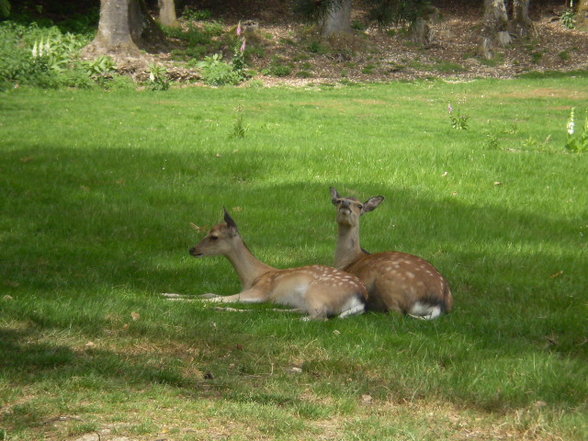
[395,281]
[320,291]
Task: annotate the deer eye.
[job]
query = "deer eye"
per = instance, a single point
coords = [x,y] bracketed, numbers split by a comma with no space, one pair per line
[360,206]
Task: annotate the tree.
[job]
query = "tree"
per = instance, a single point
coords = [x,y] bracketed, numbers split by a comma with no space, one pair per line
[582,15]
[337,18]
[167,13]
[334,16]
[521,24]
[495,27]
[125,27]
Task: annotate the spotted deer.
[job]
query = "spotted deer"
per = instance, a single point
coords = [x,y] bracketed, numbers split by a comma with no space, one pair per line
[317,290]
[395,281]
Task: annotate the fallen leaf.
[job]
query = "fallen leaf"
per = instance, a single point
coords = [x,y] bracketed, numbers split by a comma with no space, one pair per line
[556,275]
[135,316]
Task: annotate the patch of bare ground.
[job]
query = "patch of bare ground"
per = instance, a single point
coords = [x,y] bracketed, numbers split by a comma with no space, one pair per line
[377,54]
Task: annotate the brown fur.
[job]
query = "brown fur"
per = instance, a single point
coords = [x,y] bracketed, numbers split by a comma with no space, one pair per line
[318,290]
[395,281]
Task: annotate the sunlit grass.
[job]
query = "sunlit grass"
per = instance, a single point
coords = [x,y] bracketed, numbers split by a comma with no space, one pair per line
[99,189]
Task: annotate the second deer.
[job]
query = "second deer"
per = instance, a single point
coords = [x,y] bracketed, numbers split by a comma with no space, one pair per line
[320,291]
[395,281]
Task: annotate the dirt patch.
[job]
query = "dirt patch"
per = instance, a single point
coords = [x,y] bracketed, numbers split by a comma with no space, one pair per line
[376,54]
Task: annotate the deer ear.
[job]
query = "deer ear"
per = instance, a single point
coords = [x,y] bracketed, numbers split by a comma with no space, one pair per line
[372,203]
[230,222]
[334,195]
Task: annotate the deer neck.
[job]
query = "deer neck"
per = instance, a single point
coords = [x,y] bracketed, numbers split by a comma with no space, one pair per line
[348,248]
[248,267]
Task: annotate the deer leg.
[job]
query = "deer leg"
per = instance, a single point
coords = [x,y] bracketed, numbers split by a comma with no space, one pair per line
[248,296]
[174,297]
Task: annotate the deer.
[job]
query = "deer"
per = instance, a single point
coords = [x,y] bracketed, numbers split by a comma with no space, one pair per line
[317,290]
[395,281]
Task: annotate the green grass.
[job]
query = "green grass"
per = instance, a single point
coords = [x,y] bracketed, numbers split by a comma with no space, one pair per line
[97,193]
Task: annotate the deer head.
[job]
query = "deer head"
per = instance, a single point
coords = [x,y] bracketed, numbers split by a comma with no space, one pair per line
[350,209]
[220,240]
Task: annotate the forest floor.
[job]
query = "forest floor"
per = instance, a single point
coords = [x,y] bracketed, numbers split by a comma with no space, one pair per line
[284,51]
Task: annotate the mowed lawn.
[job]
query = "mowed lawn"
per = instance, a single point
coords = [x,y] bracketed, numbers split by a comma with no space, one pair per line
[97,193]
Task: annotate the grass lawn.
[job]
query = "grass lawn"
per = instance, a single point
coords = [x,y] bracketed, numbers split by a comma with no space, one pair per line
[97,192]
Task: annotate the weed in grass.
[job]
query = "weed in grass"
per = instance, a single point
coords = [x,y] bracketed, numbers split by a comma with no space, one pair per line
[458,120]
[239,128]
[577,140]
[491,142]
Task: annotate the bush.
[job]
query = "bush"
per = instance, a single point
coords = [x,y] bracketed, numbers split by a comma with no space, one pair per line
[217,72]
[38,56]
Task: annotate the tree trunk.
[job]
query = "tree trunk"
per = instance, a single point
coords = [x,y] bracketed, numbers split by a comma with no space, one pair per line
[125,27]
[582,15]
[521,23]
[167,13]
[495,27]
[337,19]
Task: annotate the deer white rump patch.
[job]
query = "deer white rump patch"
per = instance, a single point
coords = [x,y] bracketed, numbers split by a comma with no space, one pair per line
[425,311]
[353,306]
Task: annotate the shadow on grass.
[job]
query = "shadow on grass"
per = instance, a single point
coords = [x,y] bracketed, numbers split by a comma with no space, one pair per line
[81,225]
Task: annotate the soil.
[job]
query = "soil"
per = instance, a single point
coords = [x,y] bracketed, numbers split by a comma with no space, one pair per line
[376,54]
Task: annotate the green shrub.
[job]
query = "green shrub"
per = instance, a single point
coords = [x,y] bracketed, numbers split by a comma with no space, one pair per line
[158,78]
[280,70]
[191,13]
[217,72]
[35,56]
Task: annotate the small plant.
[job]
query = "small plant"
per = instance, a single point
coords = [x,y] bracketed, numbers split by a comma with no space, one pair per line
[568,18]
[316,47]
[158,78]
[100,68]
[458,121]
[280,70]
[576,142]
[239,52]
[59,50]
[191,13]
[492,142]
[217,72]
[239,129]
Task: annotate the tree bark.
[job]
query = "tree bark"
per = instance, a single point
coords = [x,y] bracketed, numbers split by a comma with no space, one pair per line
[521,23]
[125,27]
[337,19]
[582,15]
[167,13]
[495,27]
